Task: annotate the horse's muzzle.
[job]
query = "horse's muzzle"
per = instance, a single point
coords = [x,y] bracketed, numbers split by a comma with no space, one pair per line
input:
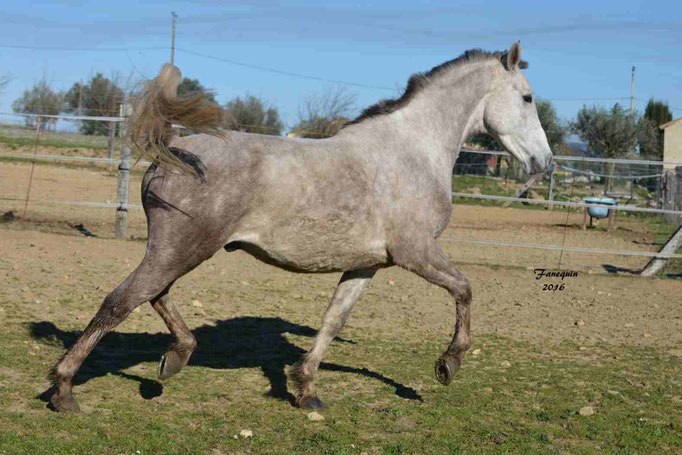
[538,166]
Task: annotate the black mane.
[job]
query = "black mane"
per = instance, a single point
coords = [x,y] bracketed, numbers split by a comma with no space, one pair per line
[420,80]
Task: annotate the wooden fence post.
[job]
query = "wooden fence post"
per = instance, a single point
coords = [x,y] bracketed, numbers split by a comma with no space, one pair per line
[656,263]
[525,187]
[550,192]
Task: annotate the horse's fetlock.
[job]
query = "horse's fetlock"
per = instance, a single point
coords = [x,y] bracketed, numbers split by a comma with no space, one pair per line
[189,343]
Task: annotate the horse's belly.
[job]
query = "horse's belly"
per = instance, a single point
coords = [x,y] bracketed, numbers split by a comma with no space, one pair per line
[313,256]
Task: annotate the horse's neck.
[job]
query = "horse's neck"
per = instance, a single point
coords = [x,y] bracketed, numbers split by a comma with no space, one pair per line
[450,110]
[438,120]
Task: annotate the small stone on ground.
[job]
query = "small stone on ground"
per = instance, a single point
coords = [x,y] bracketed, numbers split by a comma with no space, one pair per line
[586,411]
[315,417]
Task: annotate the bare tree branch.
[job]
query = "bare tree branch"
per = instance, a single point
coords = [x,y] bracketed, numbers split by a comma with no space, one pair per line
[323,114]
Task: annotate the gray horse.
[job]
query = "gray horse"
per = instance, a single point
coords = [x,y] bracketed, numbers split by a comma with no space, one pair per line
[375,195]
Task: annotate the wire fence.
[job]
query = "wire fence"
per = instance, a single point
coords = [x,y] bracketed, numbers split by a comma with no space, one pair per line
[584,176]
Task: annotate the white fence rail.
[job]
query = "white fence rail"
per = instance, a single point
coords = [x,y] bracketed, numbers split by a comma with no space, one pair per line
[626,208]
[124,165]
[577,249]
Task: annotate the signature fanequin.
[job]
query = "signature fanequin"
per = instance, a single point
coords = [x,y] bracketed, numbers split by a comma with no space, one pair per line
[542,273]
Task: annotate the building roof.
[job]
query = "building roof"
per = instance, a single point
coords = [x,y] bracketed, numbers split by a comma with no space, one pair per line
[671,123]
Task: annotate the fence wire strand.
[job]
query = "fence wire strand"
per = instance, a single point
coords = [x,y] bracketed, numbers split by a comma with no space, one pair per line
[35,156]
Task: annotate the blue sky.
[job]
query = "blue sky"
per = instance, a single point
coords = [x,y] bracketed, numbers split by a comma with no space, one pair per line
[580,52]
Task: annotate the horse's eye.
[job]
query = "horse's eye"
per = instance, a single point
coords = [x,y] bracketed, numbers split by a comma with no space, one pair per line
[528,98]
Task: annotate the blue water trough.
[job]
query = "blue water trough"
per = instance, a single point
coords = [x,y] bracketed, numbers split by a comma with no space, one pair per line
[599,212]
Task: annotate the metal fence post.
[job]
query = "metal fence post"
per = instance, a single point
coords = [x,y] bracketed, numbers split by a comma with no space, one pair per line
[671,198]
[112,135]
[122,192]
[123,188]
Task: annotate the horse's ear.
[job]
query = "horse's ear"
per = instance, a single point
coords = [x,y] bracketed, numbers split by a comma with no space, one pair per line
[514,56]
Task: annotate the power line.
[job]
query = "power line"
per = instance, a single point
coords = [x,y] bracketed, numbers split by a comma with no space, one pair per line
[211,57]
[88,49]
[621,98]
[669,106]
[589,99]
[283,72]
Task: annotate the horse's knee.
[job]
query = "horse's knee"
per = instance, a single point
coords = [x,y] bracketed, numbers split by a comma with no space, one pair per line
[460,288]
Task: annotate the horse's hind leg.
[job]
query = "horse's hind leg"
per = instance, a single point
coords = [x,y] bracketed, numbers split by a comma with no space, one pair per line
[428,260]
[184,344]
[303,372]
[146,282]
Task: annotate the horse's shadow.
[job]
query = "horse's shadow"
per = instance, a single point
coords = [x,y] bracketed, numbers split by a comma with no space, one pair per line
[244,342]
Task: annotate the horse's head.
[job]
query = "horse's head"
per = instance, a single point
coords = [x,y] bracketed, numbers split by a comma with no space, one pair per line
[511,117]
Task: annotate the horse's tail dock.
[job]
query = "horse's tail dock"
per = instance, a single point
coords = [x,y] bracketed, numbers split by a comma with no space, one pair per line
[159,108]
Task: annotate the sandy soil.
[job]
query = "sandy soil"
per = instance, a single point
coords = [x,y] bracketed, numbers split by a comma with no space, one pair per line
[63,279]
[50,271]
[53,184]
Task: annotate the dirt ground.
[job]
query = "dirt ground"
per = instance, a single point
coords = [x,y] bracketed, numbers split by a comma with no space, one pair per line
[53,272]
[611,343]
[63,279]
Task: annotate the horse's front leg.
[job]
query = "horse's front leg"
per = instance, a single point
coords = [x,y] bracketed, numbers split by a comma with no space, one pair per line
[303,372]
[426,258]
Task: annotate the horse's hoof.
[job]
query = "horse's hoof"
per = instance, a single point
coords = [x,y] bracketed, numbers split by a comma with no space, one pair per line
[65,404]
[312,403]
[445,369]
[170,364]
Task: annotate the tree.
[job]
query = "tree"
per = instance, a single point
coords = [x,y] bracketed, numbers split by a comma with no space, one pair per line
[658,113]
[251,115]
[612,133]
[192,87]
[40,99]
[324,114]
[100,97]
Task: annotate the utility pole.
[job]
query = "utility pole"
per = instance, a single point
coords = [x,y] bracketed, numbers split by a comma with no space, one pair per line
[173,39]
[632,94]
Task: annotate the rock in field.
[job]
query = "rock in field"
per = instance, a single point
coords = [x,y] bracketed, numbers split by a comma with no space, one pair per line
[315,417]
[586,411]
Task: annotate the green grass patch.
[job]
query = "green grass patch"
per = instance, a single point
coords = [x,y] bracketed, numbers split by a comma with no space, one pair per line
[385,401]
[16,136]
